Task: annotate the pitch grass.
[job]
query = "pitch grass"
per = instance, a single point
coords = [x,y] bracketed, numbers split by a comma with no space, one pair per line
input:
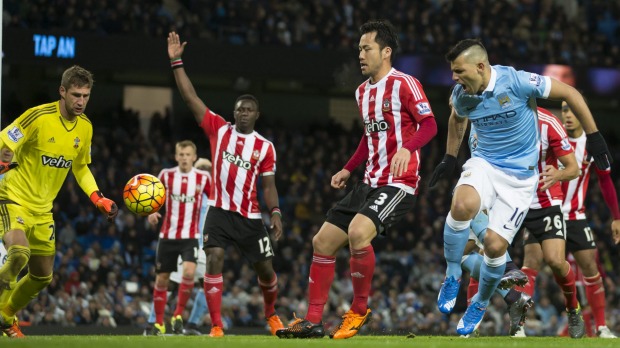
[273,342]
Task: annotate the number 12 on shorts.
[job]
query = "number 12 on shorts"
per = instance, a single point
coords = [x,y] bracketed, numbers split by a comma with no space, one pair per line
[265,246]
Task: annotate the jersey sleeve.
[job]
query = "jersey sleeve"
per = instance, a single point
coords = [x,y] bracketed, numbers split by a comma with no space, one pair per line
[208,183]
[18,132]
[211,122]
[415,99]
[268,164]
[532,85]
[558,139]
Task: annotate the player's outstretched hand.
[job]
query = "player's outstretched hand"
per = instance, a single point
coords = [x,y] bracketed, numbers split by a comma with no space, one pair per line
[105,205]
[175,47]
[153,219]
[6,166]
[615,231]
[445,168]
[276,226]
[339,180]
[597,148]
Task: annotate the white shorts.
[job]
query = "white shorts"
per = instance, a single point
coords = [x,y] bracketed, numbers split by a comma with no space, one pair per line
[201,268]
[505,198]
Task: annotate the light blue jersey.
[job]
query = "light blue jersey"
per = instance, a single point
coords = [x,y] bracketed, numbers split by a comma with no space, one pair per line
[504,119]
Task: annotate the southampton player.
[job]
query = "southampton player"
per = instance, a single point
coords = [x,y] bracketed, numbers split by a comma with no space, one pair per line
[398,121]
[240,155]
[579,237]
[502,174]
[179,234]
[47,141]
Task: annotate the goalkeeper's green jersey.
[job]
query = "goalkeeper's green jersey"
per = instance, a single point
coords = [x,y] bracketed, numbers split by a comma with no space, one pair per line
[45,146]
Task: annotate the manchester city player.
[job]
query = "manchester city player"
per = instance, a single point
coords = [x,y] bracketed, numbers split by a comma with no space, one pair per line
[502,174]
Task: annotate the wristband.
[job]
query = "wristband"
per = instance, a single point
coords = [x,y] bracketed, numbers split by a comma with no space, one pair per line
[176,63]
[276,210]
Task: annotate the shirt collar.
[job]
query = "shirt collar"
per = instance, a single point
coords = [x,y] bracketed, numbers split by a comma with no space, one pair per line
[492,81]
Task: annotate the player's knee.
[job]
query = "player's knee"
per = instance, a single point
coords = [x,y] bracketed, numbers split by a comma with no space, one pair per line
[359,237]
[556,263]
[463,210]
[41,282]
[322,245]
[214,256]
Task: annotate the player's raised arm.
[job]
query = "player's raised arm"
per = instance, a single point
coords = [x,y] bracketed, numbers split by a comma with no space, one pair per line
[175,51]
[595,144]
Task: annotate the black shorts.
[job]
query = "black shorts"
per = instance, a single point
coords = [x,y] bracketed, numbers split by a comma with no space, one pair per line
[223,227]
[579,236]
[168,251]
[385,206]
[543,224]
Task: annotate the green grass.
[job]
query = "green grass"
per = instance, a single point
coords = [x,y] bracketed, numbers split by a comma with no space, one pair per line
[273,342]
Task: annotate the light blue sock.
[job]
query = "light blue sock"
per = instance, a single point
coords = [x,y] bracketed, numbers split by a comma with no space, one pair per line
[455,236]
[200,308]
[471,263]
[151,319]
[479,225]
[491,272]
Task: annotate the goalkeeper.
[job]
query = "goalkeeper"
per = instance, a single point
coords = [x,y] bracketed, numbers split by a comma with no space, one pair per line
[47,141]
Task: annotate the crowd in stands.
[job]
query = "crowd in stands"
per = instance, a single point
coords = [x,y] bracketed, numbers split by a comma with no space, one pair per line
[568,32]
[104,272]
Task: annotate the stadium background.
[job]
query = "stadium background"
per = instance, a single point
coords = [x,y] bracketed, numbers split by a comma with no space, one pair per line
[300,59]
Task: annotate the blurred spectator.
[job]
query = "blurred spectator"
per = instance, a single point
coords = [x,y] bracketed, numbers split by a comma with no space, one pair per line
[561,32]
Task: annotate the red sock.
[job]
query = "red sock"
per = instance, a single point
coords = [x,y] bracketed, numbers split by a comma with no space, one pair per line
[321,278]
[586,313]
[472,289]
[567,284]
[595,293]
[270,293]
[531,281]
[160,296]
[213,285]
[362,270]
[185,291]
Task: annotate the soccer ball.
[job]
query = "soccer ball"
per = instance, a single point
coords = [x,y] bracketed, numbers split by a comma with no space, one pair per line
[144,194]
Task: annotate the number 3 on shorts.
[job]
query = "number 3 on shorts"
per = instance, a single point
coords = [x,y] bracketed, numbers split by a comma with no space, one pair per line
[265,246]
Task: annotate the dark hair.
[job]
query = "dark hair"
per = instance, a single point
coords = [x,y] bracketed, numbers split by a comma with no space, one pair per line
[76,76]
[248,97]
[461,47]
[386,34]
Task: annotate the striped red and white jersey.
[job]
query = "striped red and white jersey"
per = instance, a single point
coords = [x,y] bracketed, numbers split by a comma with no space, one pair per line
[576,189]
[183,201]
[391,110]
[553,144]
[238,160]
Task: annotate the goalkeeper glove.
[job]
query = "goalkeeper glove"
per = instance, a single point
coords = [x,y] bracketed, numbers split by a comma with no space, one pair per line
[105,205]
[6,166]
[597,148]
